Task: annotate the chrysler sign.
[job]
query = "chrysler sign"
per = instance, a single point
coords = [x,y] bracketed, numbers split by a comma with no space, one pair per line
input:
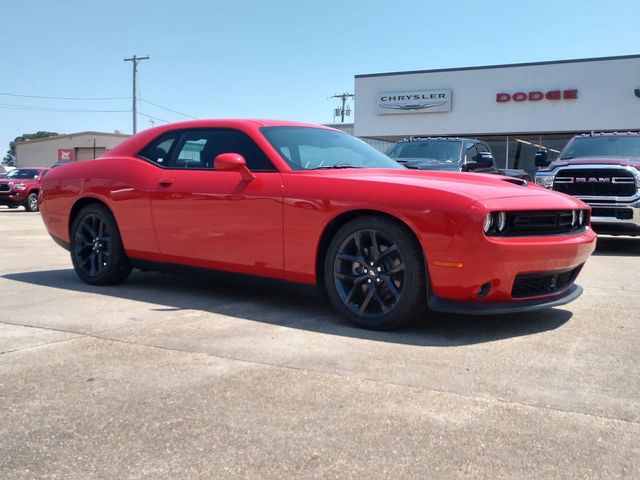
[417,101]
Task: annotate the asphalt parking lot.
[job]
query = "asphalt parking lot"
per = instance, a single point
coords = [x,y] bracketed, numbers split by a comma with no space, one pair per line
[167,377]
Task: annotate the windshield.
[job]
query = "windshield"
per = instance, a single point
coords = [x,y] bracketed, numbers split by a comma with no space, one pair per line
[447,151]
[606,146]
[308,148]
[22,174]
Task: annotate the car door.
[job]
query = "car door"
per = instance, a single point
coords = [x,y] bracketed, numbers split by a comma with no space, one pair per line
[215,219]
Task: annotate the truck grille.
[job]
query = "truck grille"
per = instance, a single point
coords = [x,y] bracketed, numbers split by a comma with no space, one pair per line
[544,283]
[611,182]
[5,187]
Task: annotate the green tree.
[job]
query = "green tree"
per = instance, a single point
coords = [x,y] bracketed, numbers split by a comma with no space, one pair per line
[10,157]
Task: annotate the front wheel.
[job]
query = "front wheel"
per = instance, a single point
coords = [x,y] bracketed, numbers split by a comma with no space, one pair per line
[96,247]
[31,204]
[374,273]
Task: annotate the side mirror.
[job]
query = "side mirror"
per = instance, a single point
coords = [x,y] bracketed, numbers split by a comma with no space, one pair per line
[234,162]
[485,159]
[542,158]
[481,160]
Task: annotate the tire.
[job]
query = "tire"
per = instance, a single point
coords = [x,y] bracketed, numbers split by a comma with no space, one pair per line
[31,204]
[96,247]
[374,273]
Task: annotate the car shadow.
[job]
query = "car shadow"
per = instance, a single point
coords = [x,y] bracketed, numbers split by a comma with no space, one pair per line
[617,246]
[280,306]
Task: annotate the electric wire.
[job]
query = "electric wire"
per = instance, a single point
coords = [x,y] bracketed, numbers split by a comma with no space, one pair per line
[168,109]
[153,118]
[62,98]
[11,106]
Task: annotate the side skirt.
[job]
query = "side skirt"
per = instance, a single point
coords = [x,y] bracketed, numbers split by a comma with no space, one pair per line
[241,280]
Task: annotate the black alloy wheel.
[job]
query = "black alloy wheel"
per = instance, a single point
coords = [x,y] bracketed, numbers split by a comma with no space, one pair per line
[96,248]
[374,273]
[31,204]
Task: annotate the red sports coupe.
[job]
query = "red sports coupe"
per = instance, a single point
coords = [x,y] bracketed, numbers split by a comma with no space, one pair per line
[312,205]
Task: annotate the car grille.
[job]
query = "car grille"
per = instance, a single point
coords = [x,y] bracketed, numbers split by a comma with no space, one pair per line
[540,222]
[544,283]
[612,182]
[5,188]
[619,213]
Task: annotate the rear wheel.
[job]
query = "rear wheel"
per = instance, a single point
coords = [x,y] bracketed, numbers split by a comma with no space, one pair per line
[96,247]
[31,204]
[374,273]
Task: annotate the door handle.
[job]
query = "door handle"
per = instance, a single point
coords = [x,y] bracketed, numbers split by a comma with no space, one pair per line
[165,182]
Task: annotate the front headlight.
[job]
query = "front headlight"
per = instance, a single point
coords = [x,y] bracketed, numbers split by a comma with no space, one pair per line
[19,186]
[494,222]
[545,181]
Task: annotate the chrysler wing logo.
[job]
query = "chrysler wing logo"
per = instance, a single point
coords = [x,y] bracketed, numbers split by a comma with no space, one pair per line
[416,106]
[415,101]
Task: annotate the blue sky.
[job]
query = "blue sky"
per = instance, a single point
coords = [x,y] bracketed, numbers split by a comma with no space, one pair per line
[266,59]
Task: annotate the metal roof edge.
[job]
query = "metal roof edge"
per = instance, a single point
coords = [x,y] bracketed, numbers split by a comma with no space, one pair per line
[506,65]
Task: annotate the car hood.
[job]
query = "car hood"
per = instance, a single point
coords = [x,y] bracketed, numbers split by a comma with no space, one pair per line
[623,161]
[475,186]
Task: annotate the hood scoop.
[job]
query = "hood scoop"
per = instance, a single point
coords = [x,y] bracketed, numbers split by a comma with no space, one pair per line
[515,181]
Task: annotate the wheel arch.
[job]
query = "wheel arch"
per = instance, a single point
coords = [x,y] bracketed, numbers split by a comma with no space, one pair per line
[332,227]
[80,204]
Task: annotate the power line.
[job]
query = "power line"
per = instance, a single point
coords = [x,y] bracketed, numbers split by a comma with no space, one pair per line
[154,118]
[62,98]
[11,106]
[168,109]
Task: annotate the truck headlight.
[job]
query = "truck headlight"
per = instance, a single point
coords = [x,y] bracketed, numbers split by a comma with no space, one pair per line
[19,186]
[545,181]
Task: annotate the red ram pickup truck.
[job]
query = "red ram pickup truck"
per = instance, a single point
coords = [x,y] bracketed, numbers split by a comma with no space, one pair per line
[21,188]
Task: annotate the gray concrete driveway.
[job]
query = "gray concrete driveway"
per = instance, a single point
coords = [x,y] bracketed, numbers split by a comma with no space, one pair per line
[167,377]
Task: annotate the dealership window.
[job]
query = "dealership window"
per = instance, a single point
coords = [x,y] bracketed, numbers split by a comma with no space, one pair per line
[518,151]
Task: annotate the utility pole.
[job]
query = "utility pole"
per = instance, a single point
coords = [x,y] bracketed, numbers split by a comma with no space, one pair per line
[344,97]
[135,60]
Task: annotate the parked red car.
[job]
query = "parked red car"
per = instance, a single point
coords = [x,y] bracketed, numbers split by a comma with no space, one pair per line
[20,187]
[313,205]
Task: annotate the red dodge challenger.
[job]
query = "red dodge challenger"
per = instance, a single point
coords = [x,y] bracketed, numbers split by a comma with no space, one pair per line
[312,205]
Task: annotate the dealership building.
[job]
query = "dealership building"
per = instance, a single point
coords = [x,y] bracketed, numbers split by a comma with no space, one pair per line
[517,109]
[44,152]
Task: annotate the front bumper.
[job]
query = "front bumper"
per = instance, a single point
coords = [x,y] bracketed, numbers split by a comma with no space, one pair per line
[478,275]
[438,304]
[12,198]
[615,218]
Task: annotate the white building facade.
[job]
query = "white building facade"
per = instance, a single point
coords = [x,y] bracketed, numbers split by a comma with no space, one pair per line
[517,109]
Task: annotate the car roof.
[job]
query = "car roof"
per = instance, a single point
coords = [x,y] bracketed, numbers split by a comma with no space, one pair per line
[133,144]
[608,134]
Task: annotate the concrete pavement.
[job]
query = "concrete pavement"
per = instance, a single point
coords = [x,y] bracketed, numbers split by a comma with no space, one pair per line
[167,377]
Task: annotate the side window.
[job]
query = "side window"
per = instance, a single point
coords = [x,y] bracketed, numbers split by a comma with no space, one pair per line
[190,154]
[199,148]
[158,151]
[482,148]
